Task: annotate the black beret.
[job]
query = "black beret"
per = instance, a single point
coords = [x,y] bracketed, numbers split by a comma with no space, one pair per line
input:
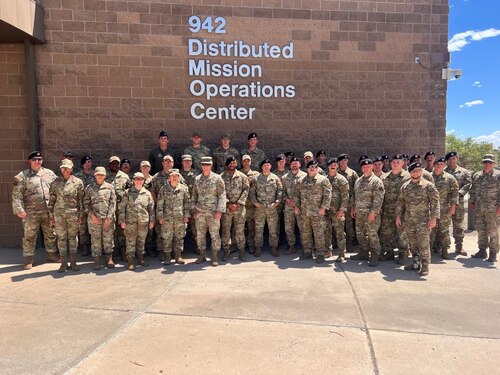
[405,156]
[428,153]
[163,133]
[366,161]
[280,157]
[294,158]
[229,160]
[398,157]
[378,158]
[440,160]
[252,135]
[69,154]
[265,161]
[85,159]
[385,157]
[415,156]
[289,153]
[362,157]
[332,160]
[343,156]
[34,154]
[125,161]
[320,152]
[450,155]
[310,163]
[413,166]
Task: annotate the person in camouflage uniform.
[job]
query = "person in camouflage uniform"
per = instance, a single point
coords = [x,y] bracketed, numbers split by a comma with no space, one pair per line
[321,158]
[447,187]
[266,193]
[145,167]
[292,220]
[173,213]
[366,205]
[86,174]
[378,166]
[99,202]
[66,213]
[280,171]
[197,150]
[464,179]
[220,154]
[430,159]
[209,200]
[136,217]
[418,210]
[335,216]
[246,169]
[237,188]
[30,198]
[390,235]
[416,158]
[308,156]
[121,182]
[189,175]
[255,153]
[485,201]
[312,197]
[351,177]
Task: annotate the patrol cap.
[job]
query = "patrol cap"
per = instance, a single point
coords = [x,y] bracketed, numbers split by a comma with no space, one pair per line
[413,166]
[312,163]
[280,157]
[125,161]
[440,160]
[34,154]
[229,160]
[343,157]
[320,152]
[252,135]
[378,159]
[332,161]
[138,175]
[186,157]
[66,163]
[114,158]
[85,159]
[68,154]
[225,136]
[145,163]
[385,157]
[398,157]
[489,158]
[415,156]
[206,160]
[196,133]
[289,154]
[174,171]
[100,170]
[168,157]
[429,153]
[308,154]
[366,161]
[163,133]
[246,157]
[294,158]
[450,155]
[362,157]
[265,161]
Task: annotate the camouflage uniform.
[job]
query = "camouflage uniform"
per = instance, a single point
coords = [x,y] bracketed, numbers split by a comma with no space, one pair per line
[100,200]
[257,156]
[390,235]
[339,202]
[464,179]
[289,182]
[237,188]
[197,153]
[428,176]
[209,197]
[281,207]
[447,187]
[30,194]
[311,194]
[250,213]
[219,156]
[83,231]
[174,204]
[137,211]
[189,177]
[368,197]
[485,195]
[267,191]
[66,207]
[417,203]
[121,182]
[351,177]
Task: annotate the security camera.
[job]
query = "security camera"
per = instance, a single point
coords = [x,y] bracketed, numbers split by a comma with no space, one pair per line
[448,73]
[457,73]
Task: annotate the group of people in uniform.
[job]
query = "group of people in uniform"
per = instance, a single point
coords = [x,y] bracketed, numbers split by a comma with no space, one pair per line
[395,207]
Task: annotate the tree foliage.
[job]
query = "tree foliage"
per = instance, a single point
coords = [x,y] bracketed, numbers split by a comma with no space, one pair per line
[470,151]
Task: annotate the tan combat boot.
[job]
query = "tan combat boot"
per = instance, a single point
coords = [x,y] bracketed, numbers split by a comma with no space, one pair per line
[213,258]
[202,258]
[28,264]
[109,261]
[73,266]
[492,258]
[97,262]
[168,257]
[258,251]
[444,254]
[131,265]
[64,264]
[460,250]
[362,255]
[226,254]
[178,257]
[306,255]
[140,259]
[482,254]
[320,258]
[274,252]
[402,256]
[290,250]
[424,270]
[241,255]
[373,259]
[53,257]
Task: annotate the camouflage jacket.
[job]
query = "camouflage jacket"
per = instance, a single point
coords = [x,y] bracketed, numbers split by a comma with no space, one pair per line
[30,192]
[351,177]
[312,193]
[428,176]
[219,156]
[257,156]
[280,174]
[197,154]
[418,202]
[237,187]
[137,206]
[155,158]
[464,179]
[289,181]
[392,185]
[266,190]
[447,187]
[100,200]
[161,179]
[251,174]
[173,203]
[368,194]
[209,194]
[189,178]
[485,190]
[66,197]
[87,179]
[340,193]
[120,181]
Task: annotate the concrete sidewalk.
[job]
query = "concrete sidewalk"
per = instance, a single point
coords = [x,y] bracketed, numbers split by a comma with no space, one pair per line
[265,316]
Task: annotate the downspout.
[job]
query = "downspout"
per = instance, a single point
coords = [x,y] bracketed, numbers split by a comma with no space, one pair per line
[33,123]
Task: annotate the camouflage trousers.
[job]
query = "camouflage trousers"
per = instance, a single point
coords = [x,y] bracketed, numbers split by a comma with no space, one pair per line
[159,238]
[234,221]
[367,233]
[135,235]
[350,231]
[391,236]
[66,227]
[173,232]
[263,215]
[120,239]
[101,239]
[291,222]
[419,239]
[83,232]
[487,223]
[192,228]
[31,224]
[458,222]
[205,222]
[337,226]
[250,226]
[312,232]
[440,234]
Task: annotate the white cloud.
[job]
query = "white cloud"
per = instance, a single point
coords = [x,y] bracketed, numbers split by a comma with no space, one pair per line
[471,103]
[477,84]
[490,138]
[451,131]
[460,40]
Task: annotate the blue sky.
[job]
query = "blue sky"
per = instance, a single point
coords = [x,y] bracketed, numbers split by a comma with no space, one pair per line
[474,43]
